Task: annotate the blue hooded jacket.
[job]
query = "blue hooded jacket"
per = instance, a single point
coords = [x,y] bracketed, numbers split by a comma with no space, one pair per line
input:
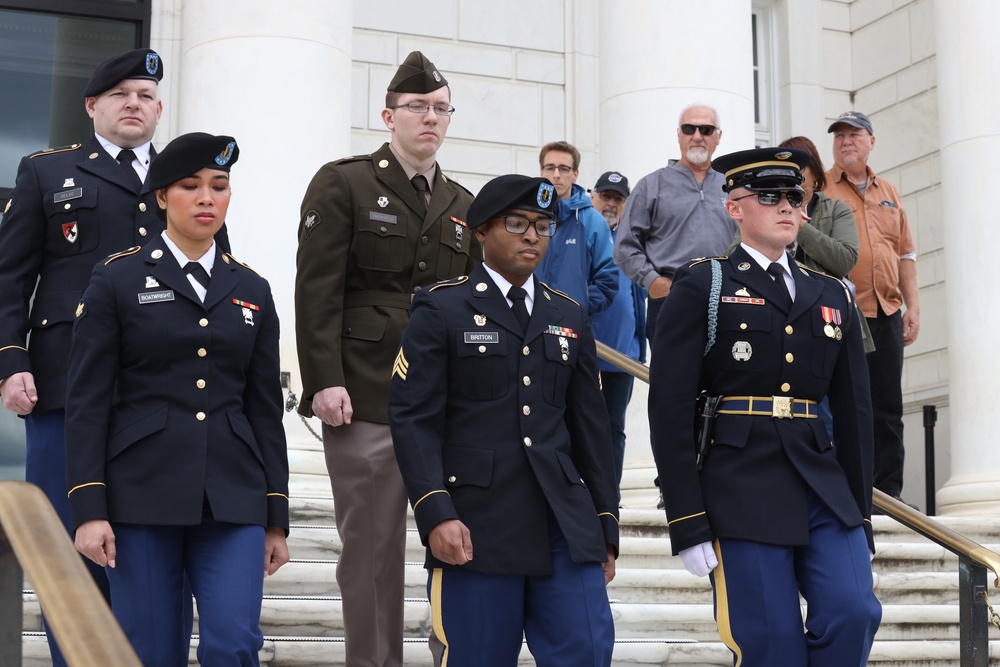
[579,259]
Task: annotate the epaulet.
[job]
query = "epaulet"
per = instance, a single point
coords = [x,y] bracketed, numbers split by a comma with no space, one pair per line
[562,294]
[124,253]
[699,260]
[352,158]
[227,256]
[53,151]
[448,283]
[448,180]
[847,291]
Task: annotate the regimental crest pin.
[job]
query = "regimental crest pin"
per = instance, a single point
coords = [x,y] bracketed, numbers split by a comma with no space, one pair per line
[382,201]
[742,351]
[480,320]
[151,282]
[70,232]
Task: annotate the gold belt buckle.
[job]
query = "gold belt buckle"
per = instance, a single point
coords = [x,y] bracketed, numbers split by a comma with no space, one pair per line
[781,407]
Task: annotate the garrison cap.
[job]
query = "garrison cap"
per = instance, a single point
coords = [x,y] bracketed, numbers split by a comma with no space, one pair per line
[137,64]
[854,118]
[528,193]
[417,74]
[760,169]
[612,180]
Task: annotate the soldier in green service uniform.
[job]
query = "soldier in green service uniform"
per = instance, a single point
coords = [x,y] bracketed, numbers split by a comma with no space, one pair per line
[374,230]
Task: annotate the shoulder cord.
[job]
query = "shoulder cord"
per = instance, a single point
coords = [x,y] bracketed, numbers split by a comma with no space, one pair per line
[713,303]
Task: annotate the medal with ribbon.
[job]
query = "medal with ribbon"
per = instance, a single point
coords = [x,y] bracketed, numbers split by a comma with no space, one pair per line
[832,318]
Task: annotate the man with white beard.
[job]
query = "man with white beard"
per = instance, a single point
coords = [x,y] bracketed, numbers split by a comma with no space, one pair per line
[677,213]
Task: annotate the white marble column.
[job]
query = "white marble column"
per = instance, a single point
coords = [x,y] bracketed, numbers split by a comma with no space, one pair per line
[970,142]
[277,77]
[656,58]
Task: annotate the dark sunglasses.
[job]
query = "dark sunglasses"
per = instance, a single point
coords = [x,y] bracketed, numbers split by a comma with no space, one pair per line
[774,198]
[706,130]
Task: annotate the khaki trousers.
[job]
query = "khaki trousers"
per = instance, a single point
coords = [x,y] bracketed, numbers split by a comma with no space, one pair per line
[370,510]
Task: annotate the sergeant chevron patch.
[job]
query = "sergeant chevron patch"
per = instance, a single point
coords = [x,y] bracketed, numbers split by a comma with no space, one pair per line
[401,365]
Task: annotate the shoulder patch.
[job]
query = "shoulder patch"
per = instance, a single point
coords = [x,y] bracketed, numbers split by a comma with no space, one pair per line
[448,283]
[53,151]
[562,294]
[699,260]
[245,266]
[123,253]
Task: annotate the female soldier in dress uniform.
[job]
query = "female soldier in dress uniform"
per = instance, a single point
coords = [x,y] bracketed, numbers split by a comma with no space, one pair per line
[176,453]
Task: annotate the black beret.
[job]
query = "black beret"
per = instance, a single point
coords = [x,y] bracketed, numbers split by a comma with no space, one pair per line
[528,193]
[189,154]
[137,64]
[417,74]
[762,169]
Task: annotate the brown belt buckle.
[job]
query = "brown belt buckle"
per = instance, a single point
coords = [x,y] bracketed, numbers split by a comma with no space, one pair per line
[781,407]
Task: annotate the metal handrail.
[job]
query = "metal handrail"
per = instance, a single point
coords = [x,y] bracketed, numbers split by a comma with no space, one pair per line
[33,538]
[974,559]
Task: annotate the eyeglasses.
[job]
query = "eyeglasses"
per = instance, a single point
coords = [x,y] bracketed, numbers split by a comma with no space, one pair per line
[516,224]
[608,197]
[552,168]
[774,198]
[417,107]
[706,130]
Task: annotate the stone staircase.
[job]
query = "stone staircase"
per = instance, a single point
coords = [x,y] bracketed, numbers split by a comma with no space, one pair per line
[663,615]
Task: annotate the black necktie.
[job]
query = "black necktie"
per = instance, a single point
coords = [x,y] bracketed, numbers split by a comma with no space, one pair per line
[517,296]
[420,185]
[125,158]
[779,277]
[198,271]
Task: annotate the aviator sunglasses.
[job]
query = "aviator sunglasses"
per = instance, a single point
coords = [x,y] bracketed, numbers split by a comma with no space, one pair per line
[774,198]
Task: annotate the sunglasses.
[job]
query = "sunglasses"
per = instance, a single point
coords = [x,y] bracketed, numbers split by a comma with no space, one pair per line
[774,198]
[706,130]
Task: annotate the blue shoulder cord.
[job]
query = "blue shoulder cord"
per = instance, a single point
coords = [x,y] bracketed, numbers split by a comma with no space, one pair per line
[713,303]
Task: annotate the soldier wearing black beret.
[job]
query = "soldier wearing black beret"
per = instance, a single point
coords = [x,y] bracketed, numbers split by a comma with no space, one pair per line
[374,229]
[502,439]
[765,502]
[176,457]
[70,207]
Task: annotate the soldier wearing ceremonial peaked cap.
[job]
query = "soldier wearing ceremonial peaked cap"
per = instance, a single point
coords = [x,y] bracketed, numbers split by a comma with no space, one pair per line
[374,229]
[179,327]
[761,499]
[71,207]
[502,440]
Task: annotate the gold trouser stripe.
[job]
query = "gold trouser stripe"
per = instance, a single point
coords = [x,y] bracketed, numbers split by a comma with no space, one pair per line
[80,486]
[428,494]
[722,619]
[437,622]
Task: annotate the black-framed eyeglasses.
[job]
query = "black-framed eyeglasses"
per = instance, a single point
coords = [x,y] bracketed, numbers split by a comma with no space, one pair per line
[774,198]
[417,107]
[706,130]
[561,168]
[516,224]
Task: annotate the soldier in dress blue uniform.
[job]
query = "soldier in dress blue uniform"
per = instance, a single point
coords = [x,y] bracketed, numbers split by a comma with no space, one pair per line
[772,509]
[71,207]
[175,448]
[501,436]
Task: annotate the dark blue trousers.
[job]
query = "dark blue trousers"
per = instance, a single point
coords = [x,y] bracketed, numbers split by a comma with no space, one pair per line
[565,617]
[757,590]
[225,566]
[45,467]
[617,391]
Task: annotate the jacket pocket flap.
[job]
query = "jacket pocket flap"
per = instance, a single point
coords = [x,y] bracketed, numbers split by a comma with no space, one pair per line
[468,466]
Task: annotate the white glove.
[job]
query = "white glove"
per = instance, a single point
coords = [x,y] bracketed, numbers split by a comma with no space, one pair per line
[699,560]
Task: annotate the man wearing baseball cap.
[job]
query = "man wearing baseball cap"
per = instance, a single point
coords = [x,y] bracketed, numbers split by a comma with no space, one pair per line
[762,500]
[502,441]
[623,324]
[886,280]
[70,207]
